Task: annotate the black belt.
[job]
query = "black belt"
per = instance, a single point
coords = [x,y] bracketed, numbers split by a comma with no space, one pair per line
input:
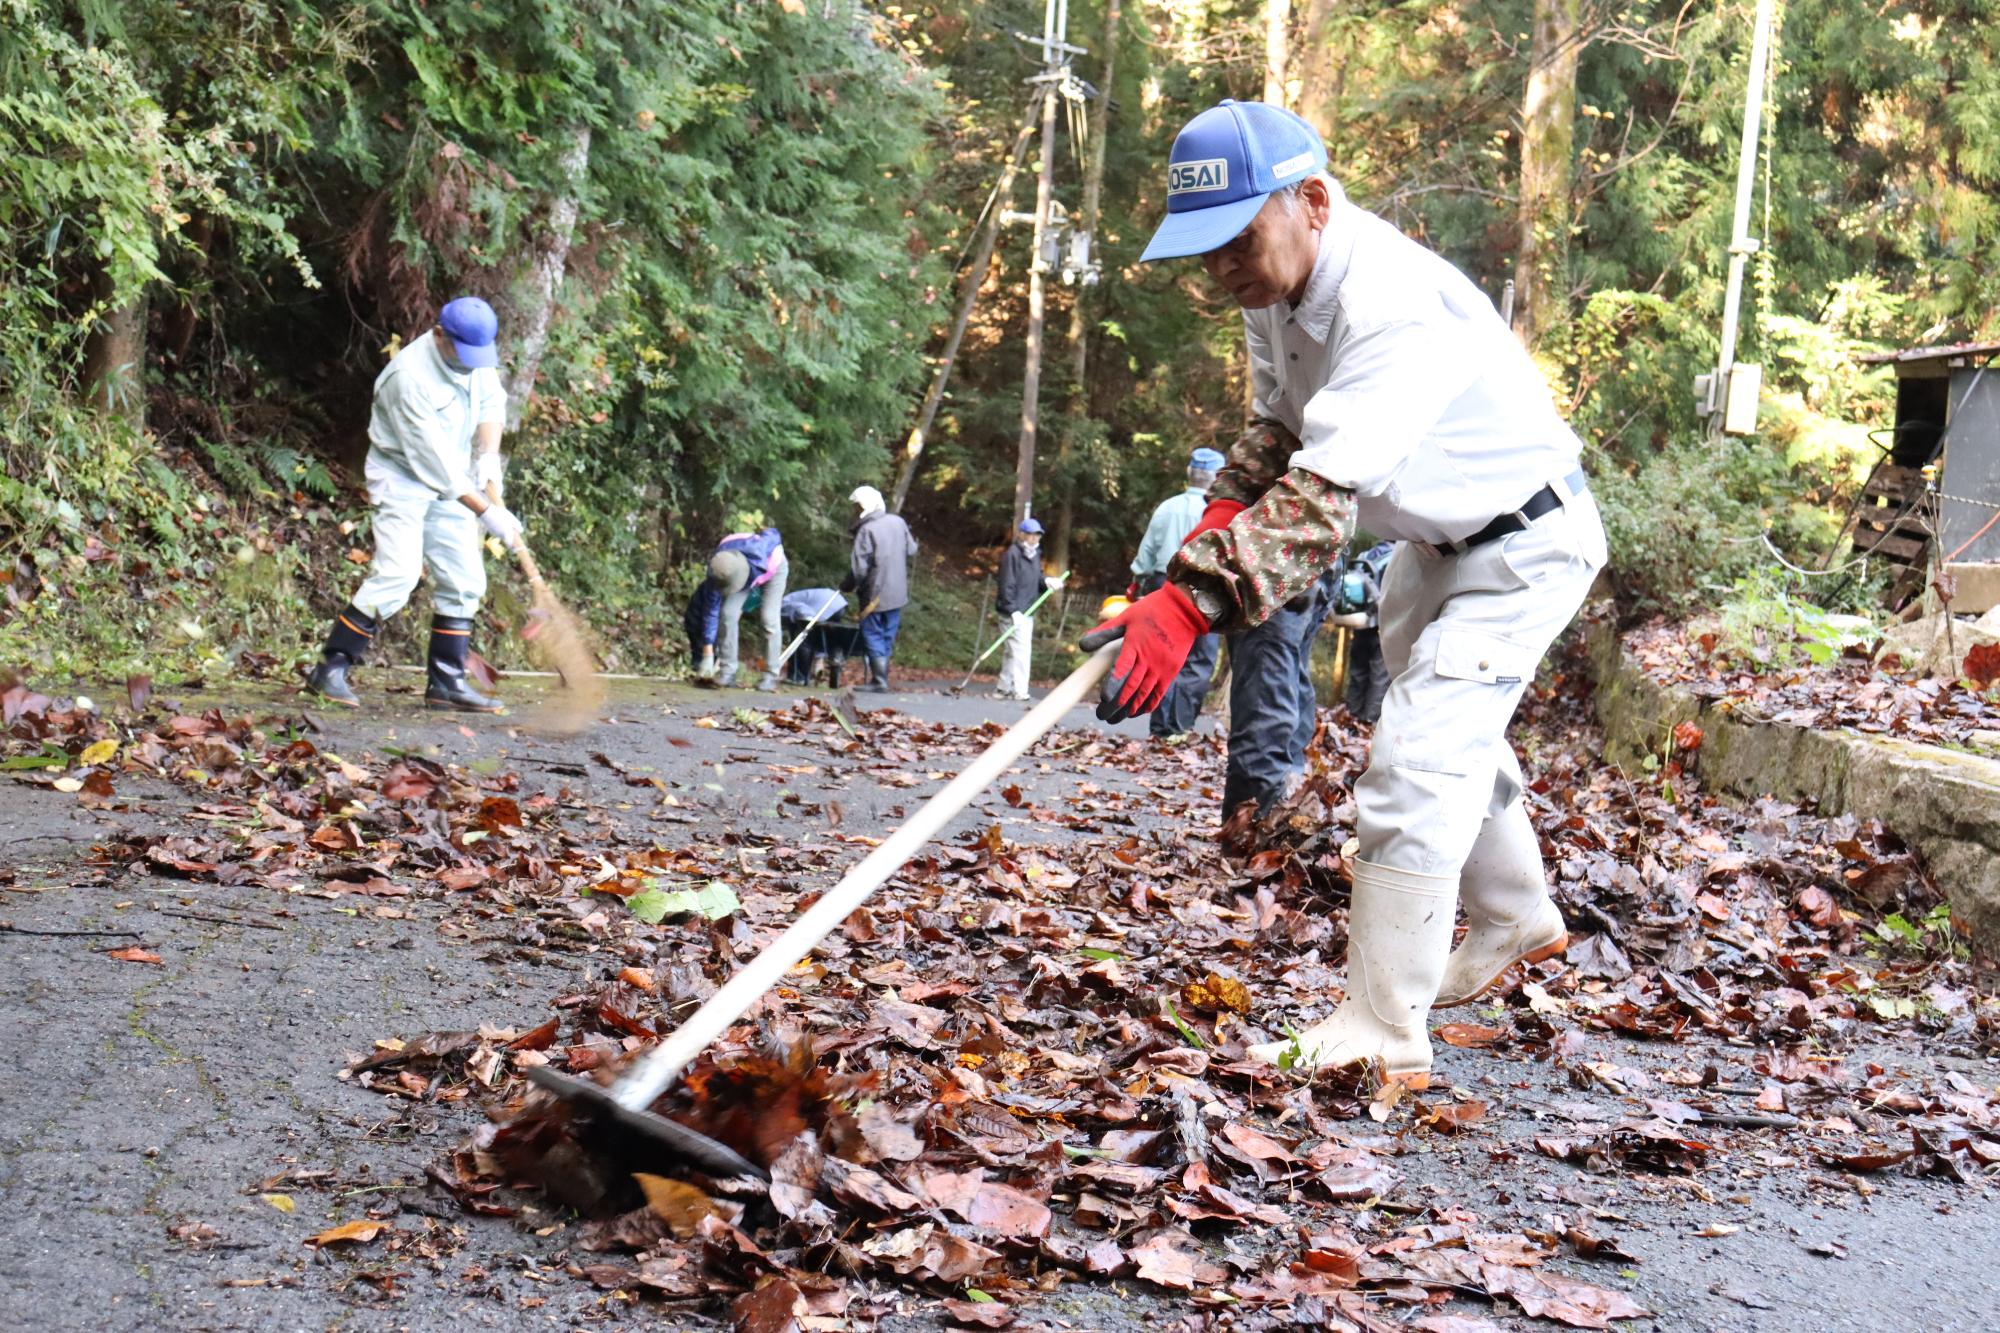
[1541,502]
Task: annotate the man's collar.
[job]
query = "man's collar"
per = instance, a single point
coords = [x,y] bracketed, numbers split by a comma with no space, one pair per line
[1315,310]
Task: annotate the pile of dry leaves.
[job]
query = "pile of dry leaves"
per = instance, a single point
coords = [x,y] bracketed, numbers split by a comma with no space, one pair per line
[1021,1067]
[1849,690]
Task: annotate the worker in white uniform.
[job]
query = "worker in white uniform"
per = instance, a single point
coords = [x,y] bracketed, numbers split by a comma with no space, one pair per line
[434,441]
[1387,392]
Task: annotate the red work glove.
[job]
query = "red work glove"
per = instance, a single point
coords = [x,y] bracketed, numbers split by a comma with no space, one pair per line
[1159,630]
[1217,515]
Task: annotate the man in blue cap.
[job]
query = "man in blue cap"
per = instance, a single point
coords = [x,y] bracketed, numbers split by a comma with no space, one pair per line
[1173,519]
[1388,393]
[434,476]
[1020,586]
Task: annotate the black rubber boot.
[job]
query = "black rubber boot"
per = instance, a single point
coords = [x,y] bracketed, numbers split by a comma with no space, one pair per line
[449,686]
[346,644]
[878,676]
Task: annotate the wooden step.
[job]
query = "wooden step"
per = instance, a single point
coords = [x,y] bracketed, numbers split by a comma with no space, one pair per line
[1902,550]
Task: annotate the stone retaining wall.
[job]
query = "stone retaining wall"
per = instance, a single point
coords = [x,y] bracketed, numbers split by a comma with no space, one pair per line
[1944,803]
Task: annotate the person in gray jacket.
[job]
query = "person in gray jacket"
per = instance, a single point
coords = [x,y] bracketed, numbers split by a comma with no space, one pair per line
[879,575]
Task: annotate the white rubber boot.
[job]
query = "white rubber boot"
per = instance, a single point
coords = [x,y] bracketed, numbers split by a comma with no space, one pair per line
[1398,933]
[1509,915]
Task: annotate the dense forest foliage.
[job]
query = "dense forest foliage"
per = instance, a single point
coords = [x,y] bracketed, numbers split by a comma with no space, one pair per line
[726,238]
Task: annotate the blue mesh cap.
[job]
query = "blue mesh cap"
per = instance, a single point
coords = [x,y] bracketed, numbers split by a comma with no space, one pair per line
[1224,163]
[1205,460]
[472,326]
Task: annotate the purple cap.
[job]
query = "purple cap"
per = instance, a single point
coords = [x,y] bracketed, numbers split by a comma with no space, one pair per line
[1226,160]
[472,326]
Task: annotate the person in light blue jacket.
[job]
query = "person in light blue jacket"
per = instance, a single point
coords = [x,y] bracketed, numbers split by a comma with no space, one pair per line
[1173,519]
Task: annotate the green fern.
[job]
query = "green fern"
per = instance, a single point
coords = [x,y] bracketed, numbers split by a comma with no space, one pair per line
[316,480]
[233,467]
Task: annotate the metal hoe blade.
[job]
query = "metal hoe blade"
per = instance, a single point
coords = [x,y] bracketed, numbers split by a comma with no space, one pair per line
[597,1104]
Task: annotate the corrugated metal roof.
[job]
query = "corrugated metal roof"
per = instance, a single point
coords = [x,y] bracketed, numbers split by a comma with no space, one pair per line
[1929,353]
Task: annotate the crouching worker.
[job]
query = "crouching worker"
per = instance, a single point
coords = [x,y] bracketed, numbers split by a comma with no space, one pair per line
[434,441]
[746,573]
[812,612]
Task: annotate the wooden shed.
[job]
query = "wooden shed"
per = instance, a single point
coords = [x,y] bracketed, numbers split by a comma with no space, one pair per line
[1948,413]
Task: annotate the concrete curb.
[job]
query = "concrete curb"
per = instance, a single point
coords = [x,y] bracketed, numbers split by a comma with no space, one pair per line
[1944,803]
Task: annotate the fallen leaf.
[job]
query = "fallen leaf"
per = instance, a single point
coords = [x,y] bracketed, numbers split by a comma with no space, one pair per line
[1217,994]
[1169,1259]
[714,901]
[359,1232]
[988,1313]
[133,954]
[1452,1116]
[680,1205]
[771,1308]
[1470,1036]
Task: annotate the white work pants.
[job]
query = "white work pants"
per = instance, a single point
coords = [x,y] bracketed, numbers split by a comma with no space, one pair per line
[415,530]
[768,613]
[1015,655]
[1461,638]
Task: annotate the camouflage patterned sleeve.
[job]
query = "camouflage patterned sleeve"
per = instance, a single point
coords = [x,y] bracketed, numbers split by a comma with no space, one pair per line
[1239,576]
[1255,461]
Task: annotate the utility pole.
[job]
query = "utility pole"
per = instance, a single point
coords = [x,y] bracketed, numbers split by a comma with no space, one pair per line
[975,278]
[1054,81]
[1079,324]
[1055,74]
[1730,400]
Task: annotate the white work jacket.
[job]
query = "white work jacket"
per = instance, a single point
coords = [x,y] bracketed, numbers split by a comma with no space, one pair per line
[1403,384]
[425,416]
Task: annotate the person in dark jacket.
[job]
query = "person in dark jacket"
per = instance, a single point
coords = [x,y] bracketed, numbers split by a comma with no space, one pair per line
[746,567]
[1020,586]
[879,576]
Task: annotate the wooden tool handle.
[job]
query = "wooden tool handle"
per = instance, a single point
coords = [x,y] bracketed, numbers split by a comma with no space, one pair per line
[521,552]
[651,1074]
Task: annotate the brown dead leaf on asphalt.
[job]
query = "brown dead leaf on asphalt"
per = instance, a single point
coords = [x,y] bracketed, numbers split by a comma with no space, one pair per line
[1471,1036]
[1172,1259]
[773,1307]
[359,1233]
[979,1314]
[680,1205]
[134,954]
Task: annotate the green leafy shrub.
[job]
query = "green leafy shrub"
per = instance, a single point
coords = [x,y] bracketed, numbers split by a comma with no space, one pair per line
[1685,524]
[1765,624]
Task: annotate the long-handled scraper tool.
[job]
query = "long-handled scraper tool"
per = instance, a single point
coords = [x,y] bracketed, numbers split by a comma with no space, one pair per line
[626,1104]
